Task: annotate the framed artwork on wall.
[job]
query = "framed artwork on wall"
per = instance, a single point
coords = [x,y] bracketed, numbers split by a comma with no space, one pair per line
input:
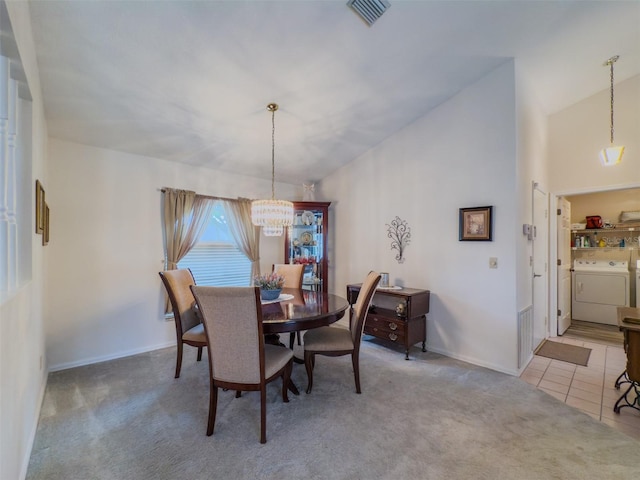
[45,233]
[475,224]
[39,207]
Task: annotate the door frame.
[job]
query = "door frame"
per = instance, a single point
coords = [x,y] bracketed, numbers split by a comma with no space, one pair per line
[553,245]
[544,241]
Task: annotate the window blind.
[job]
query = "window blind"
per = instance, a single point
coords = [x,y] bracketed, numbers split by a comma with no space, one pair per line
[218,264]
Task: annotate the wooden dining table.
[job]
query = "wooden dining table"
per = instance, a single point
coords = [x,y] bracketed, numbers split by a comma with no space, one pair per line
[305,310]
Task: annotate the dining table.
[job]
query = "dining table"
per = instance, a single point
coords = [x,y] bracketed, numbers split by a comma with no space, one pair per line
[297,310]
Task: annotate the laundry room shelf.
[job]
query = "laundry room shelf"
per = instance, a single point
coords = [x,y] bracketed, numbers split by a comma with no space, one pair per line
[606,249]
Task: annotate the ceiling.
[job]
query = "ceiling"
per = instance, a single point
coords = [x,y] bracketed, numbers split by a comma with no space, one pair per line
[189,81]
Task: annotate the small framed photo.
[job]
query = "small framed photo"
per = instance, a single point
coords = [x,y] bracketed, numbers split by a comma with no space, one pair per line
[475,224]
[45,233]
[39,207]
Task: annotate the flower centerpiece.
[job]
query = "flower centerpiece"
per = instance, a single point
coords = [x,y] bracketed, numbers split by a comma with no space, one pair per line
[270,285]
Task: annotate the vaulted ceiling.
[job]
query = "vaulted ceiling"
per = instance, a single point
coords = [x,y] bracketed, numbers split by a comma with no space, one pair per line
[189,81]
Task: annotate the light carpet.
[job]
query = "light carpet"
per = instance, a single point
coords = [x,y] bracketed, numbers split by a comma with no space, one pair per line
[429,418]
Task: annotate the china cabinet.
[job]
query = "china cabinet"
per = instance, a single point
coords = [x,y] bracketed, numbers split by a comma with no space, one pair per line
[305,242]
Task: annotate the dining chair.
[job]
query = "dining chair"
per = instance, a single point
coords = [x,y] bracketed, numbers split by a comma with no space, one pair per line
[189,328]
[333,341]
[239,359]
[293,275]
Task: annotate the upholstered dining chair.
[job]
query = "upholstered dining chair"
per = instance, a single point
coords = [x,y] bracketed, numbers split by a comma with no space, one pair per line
[293,274]
[334,341]
[239,359]
[189,329]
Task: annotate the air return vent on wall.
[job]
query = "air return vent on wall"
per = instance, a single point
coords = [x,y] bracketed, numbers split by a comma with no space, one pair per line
[369,10]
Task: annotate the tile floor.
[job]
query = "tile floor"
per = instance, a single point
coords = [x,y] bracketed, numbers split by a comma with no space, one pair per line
[589,389]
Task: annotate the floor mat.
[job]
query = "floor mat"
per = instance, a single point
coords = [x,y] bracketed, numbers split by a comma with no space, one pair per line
[564,352]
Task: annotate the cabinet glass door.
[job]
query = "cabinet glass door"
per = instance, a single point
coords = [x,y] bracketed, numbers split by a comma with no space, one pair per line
[305,243]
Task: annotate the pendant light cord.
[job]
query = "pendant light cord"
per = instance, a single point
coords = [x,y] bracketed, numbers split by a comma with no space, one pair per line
[612,103]
[273,143]
[610,62]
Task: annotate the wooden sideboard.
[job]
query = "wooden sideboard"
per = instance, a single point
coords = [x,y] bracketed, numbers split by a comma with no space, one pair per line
[398,316]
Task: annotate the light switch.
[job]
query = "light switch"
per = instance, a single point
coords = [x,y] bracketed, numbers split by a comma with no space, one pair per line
[493,262]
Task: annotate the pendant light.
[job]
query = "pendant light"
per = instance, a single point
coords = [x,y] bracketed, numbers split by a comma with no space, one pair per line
[611,155]
[272,215]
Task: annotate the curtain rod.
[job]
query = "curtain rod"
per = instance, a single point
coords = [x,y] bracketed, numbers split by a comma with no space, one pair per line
[211,197]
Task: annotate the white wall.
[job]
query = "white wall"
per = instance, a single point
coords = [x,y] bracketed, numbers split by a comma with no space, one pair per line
[532,152]
[462,154]
[578,133]
[22,374]
[105,296]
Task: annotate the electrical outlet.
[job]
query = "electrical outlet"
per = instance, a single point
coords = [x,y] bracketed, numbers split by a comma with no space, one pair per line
[493,262]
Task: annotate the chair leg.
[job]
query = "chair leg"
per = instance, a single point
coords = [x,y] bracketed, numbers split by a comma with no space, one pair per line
[286,378]
[309,358]
[213,403]
[199,353]
[292,336]
[263,413]
[356,370]
[179,360]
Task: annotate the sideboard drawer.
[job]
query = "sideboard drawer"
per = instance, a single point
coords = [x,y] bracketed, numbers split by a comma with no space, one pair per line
[388,328]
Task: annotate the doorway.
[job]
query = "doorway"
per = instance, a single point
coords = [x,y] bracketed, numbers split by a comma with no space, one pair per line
[571,208]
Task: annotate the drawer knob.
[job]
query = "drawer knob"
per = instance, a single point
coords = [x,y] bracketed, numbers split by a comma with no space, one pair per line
[393,337]
[393,326]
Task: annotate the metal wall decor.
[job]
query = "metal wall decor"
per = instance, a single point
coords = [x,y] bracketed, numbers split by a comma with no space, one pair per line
[400,234]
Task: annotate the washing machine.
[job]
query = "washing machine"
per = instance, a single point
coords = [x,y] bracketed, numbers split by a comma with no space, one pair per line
[598,288]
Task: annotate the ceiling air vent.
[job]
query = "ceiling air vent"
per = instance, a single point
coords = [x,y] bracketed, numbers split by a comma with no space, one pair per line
[369,10]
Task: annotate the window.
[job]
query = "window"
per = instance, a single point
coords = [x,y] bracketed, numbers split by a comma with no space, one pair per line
[16,184]
[216,260]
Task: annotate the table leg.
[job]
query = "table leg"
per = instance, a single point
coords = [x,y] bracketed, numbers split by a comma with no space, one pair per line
[621,379]
[273,339]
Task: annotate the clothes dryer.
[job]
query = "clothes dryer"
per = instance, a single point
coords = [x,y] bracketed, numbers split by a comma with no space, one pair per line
[599,287]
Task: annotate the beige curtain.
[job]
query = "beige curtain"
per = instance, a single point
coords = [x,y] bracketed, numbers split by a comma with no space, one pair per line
[245,233]
[185,216]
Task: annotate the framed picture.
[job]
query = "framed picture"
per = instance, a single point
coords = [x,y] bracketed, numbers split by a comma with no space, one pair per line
[39,207]
[45,233]
[475,224]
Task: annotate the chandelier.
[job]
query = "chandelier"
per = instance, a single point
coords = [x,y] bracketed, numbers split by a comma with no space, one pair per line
[611,155]
[272,215]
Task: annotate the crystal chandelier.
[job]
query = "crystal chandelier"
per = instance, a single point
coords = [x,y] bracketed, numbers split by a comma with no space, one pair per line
[611,155]
[272,215]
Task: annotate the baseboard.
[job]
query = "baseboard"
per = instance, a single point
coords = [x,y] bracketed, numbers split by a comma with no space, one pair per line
[34,428]
[105,358]
[473,361]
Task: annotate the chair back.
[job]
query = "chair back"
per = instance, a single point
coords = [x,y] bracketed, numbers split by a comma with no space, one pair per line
[178,284]
[362,306]
[292,274]
[232,318]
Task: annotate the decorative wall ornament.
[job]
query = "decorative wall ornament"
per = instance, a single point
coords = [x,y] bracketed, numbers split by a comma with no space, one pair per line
[400,234]
[308,192]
